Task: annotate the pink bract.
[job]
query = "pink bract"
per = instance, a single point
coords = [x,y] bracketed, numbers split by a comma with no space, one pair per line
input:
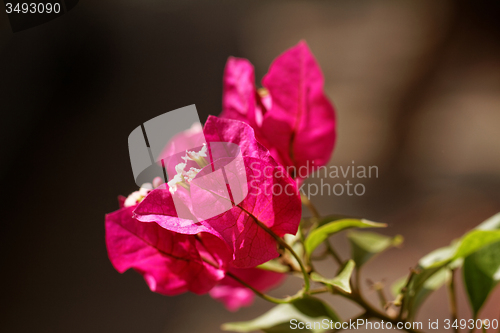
[234,295]
[171,263]
[272,200]
[293,119]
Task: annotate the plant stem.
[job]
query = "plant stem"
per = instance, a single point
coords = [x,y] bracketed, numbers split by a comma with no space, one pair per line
[371,312]
[403,292]
[281,242]
[318,291]
[321,256]
[379,289]
[357,280]
[294,254]
[264,296]
[334,253]
[305,200]
[453,299]
[355,296]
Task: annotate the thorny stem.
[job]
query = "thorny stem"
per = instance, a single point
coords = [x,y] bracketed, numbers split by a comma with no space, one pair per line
[453,299]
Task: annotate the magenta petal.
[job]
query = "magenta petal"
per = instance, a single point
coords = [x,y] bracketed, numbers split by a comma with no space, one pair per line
[176,147]
[301,124]
[239,100]
[234,295]
[121,201]
[158,206]
[228,130]
[270,196]
[170,262]
[233,298]
[272,199]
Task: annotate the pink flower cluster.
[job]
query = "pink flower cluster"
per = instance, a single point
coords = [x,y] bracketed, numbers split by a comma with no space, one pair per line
[288,124]
[291,115]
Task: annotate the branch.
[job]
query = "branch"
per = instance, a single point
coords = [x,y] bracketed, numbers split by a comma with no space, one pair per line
[334,253]
[305,200]
[281,242]
[264,296]
[453,299]
[403,293]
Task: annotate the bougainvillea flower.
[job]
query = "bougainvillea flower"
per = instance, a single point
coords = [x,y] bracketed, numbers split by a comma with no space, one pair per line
[171,263]
[291,116]
[183,141]
[271,200]
[234,295]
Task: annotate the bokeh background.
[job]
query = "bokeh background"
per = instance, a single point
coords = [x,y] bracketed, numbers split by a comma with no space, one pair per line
[416,85]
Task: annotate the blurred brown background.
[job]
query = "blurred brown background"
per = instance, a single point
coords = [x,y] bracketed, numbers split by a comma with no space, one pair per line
[416,85]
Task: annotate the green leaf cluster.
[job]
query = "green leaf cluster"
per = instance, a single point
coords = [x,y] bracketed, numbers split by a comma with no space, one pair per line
[476,254]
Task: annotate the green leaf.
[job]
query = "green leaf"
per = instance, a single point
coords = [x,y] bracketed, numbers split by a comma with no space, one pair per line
[365,245]
[420,287]
[487,232]
[439,256]
[341,281]
[274,266]
[475,240]
[493,223]
[280,318]
[333,218]
[481,271]
[314,308]
[319,235]
[433,283]
[432,273]
[449,257]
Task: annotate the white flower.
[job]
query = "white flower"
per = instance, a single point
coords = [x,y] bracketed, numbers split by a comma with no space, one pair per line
[177,180]
[198,157]
[135,197]
[182,177]
[191,174]
[179,168]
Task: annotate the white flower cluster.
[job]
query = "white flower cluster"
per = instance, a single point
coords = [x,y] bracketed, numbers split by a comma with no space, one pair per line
[135,197]
[182,177]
